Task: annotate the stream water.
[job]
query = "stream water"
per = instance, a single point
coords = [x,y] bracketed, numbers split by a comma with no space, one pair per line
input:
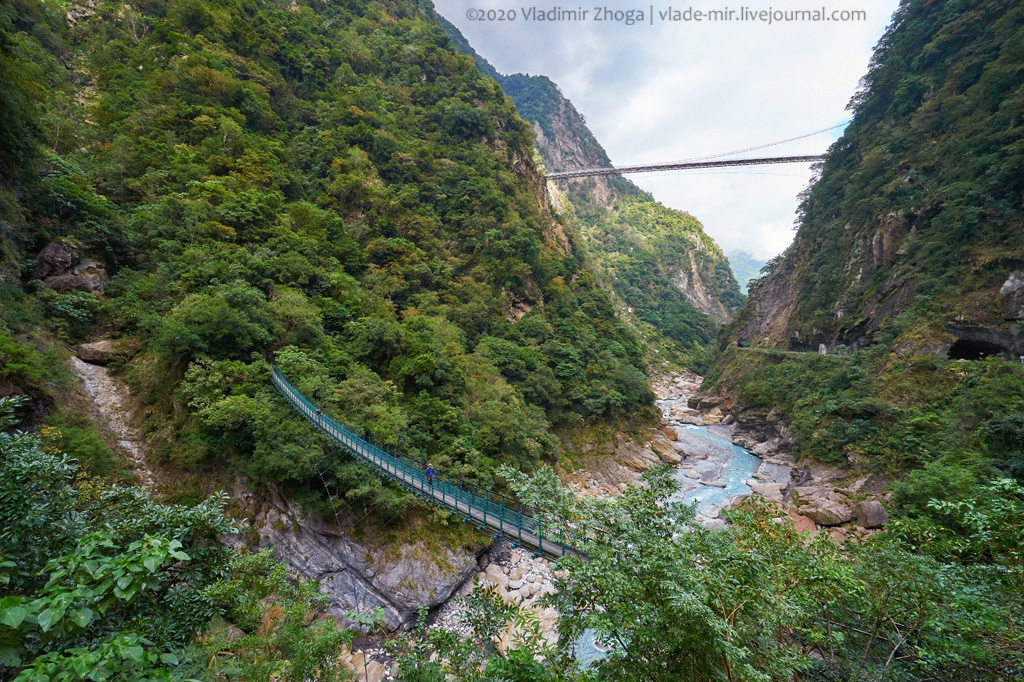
[714,473]
[726,463]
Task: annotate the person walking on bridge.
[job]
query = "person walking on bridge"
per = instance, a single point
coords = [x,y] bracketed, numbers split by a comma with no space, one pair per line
[430,473]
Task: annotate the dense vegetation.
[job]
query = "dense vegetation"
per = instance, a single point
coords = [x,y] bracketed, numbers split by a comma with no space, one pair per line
[756,601]
[331,185]
[108,584]
[102,583]
[934,150]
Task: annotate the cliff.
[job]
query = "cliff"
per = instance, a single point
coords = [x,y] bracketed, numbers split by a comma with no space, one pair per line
[888,335]
[917,208]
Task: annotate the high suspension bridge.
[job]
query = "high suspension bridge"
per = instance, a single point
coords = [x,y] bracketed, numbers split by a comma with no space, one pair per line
[681,165]
[703,162]
[486,509]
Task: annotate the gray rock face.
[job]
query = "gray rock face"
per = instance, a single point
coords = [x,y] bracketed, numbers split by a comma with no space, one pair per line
[871,514]
[87,275]
[55,259]
[825,512]
[769,491]
[1012,295]
[353,576]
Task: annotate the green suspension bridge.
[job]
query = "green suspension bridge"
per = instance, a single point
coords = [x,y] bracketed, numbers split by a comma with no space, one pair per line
[484,508]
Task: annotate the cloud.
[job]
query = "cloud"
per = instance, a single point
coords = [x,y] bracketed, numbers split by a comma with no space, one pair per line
[679,90]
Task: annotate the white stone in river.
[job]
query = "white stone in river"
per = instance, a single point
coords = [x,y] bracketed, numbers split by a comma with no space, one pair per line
[714,484]
[692,474]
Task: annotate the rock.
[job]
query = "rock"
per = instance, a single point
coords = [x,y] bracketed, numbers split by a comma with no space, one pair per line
[665,452]
[517,573]
[714,484]
[692,474]
[729,419]
[766,448]
[514,558]
[496,575]
[769,491]
[374,672]
[524,592]
[839,535]
[634,457]
[55,259]
[802,523]
[500,551]
[514,584]
[827,512]
[670,433]
[87,275]
[807,493]
[8,388]
[1012,295]
[838,496]
[871,514]
[356,576]
[97,352]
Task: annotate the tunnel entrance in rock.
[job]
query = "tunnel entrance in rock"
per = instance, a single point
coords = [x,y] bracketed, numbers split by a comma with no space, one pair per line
[968,349]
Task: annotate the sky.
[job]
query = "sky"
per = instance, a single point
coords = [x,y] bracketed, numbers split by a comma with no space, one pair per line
[682,89]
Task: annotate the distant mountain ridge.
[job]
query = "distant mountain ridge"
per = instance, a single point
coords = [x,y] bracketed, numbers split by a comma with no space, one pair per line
[745,267]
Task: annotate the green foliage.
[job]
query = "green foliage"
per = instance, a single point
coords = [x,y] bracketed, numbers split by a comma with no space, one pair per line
[884,412]
[23,365]
[286,640]
[109,584]
[19,124]
[641,251]
[73,432]
[69,314]
[473,658]
[969,522]
[758,601]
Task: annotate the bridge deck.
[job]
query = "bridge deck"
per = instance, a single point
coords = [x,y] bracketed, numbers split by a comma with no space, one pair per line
[682,165]
[513,524]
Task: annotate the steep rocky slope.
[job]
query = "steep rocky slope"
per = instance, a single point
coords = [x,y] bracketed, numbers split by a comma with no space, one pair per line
[666,275]
[906,270]
[918,205]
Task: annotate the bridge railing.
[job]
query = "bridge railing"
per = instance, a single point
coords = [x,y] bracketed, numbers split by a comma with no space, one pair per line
[456,497]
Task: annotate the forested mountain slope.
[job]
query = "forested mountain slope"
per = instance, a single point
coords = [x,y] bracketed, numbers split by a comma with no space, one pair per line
[668,277]
[907,265]
[216,184]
